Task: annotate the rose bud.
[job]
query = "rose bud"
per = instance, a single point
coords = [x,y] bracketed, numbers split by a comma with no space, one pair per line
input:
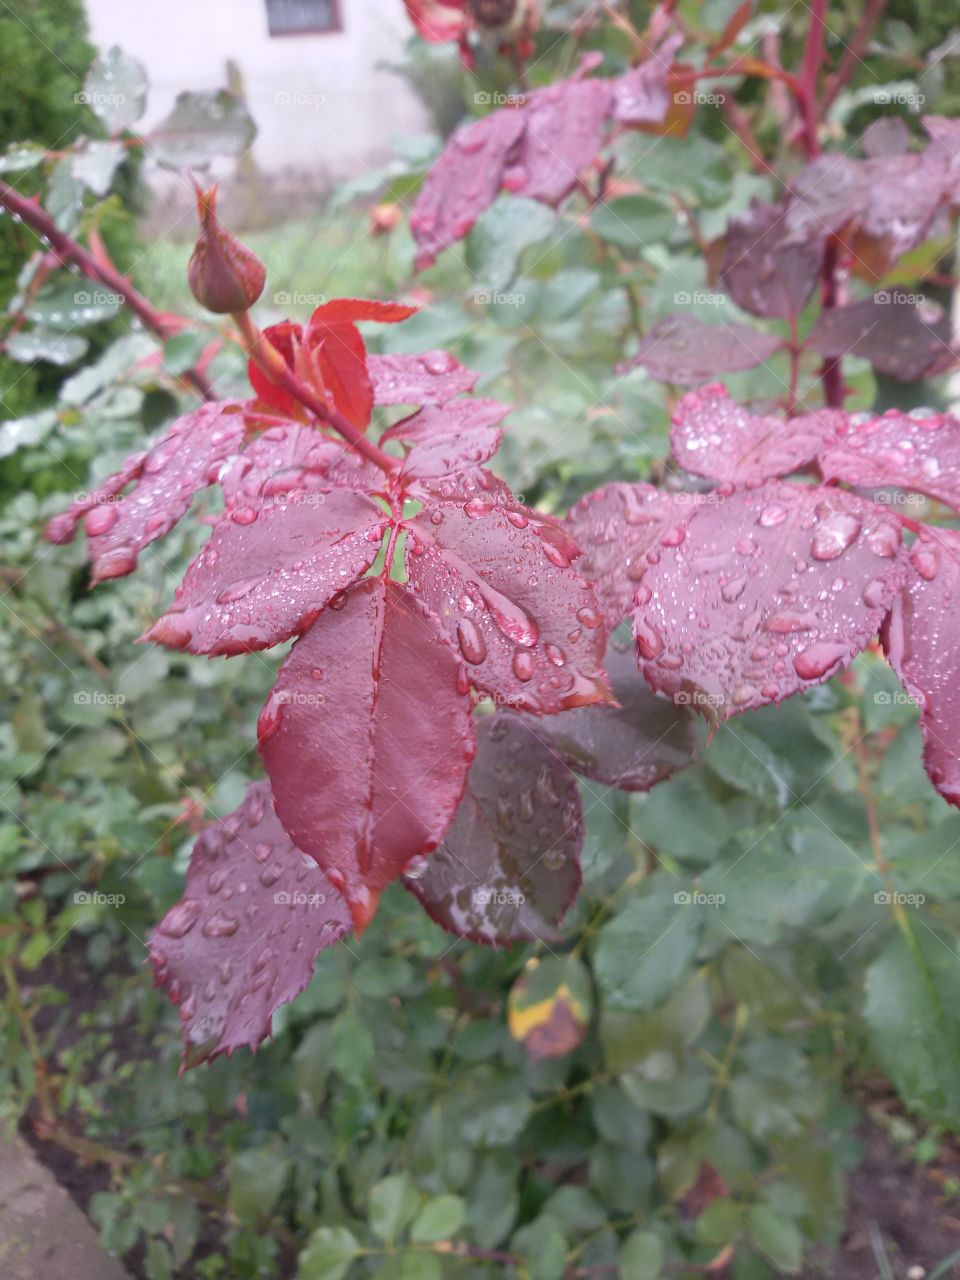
[223,274]
[383,218]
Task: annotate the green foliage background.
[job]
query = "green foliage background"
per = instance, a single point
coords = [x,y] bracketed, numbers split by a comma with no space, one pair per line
[747,963]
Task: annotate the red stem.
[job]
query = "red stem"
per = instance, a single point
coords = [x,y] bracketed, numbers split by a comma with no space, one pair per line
[831,371]
[794,367]
[812,62]
[69,251]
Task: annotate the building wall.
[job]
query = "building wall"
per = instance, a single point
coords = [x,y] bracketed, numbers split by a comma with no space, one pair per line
[322,102]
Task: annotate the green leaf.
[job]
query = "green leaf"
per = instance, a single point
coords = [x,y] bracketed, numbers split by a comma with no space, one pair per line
[82,302]
[183,350]
[16,159]
[30,345]
[439,1219]
[777,1238]
[911,1011]
[312,1061]
[685,818]
[499,237]
[798,875]
[492,1208]
[488,1108]
[115,90]
[257,1178]
[642,1256]
[927,863]
[201,127]
[542,1245]
[721,1222]
[420,1266]
[393,1203]
[328,1255]
[352,1049]
[96,164]
[633,222]
[644,953]
[17,432]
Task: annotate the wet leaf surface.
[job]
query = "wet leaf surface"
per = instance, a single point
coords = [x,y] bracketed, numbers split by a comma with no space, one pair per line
[242,940]
[633,746]
[770,591]
[899,338]
[165,479]
[897,449]
[684,350]
[711,435]
[920,642]
[259,581]
[367,738]
[508,867]
[615,527]
[502,581]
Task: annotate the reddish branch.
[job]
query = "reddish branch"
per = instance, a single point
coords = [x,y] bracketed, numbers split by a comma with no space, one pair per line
[831,371]
[812,62]
[69,252]
[31,213]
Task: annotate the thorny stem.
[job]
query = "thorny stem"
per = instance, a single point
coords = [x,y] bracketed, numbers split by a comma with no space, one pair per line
[70,252]
[275,367]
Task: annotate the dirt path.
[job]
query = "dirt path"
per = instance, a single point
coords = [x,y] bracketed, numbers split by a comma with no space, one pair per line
[42,1232]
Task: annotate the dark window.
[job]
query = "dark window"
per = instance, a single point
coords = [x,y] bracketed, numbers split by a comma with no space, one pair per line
[302,17]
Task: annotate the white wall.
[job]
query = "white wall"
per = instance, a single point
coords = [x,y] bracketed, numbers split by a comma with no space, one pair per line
[320,101]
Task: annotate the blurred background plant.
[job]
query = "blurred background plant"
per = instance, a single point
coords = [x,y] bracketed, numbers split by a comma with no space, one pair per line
[765,951]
